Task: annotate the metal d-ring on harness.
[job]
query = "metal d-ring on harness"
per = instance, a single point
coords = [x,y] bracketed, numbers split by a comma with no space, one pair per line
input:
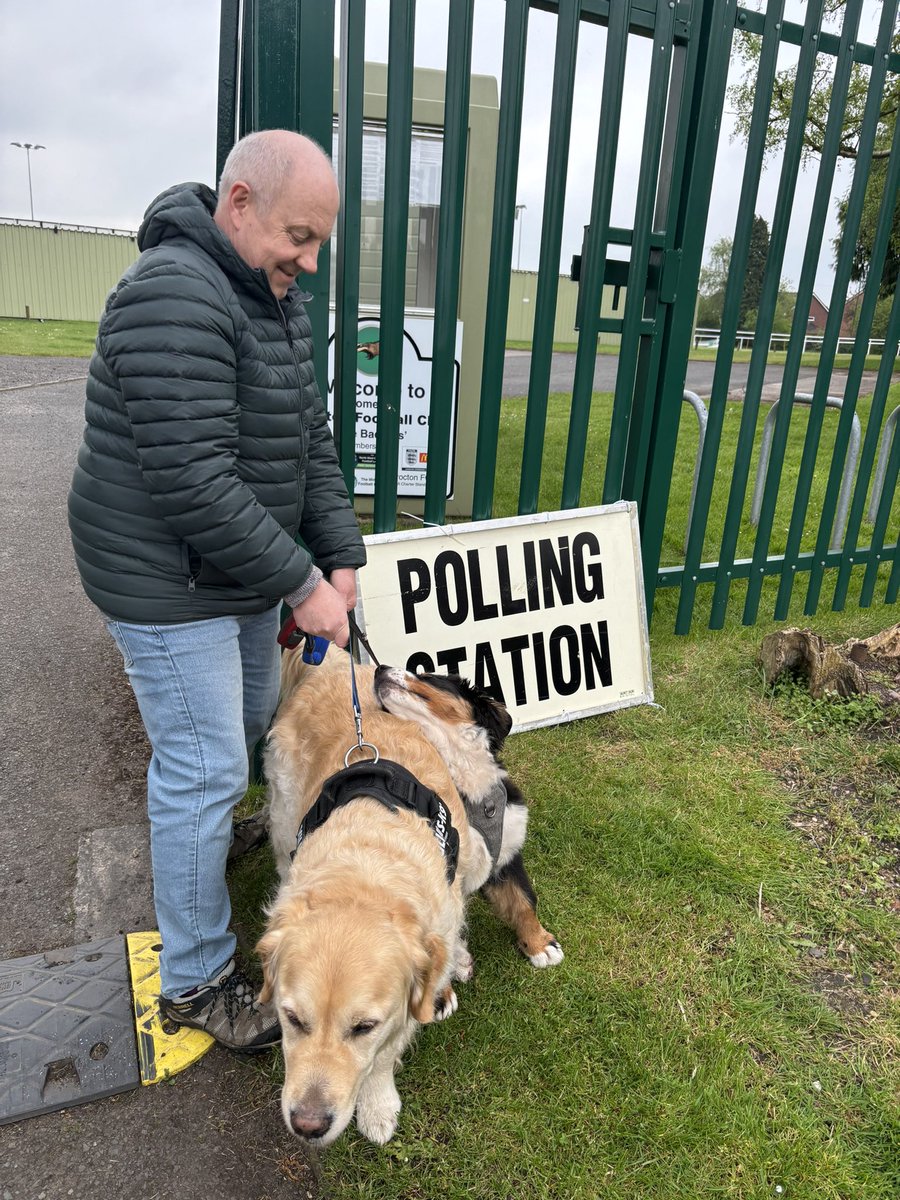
[355,636]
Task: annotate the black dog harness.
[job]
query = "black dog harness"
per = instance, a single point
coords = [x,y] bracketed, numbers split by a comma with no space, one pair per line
[393,786]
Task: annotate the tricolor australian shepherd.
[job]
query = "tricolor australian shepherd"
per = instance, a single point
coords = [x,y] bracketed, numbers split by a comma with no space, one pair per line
[468,728]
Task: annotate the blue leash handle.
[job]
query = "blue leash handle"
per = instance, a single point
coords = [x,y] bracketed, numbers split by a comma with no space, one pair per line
[314,648]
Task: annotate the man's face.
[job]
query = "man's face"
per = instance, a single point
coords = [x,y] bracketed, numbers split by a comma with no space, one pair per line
[286,239]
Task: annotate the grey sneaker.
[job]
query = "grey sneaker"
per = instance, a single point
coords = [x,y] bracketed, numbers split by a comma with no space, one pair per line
[249,834]
[228,1011]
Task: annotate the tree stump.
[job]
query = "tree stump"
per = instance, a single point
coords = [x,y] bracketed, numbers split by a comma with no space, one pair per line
[805,655]
[883,648]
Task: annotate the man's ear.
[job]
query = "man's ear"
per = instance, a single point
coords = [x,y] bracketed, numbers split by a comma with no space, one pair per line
[238,201]
[429,971]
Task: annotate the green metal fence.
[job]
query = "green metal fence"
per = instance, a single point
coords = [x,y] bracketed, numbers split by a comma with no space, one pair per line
[282,76]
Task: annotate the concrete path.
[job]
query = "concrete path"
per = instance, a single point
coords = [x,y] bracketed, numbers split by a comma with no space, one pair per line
[74,856]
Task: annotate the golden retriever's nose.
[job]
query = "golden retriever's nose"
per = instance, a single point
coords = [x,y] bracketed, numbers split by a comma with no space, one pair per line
[311,1120]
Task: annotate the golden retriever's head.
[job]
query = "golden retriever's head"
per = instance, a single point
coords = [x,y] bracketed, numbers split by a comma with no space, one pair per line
[348,983]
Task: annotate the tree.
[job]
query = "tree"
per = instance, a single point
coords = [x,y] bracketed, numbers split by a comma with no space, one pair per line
[756,267]
[862,254]
[711,287]
[783,316]
[743,92]
[714,278]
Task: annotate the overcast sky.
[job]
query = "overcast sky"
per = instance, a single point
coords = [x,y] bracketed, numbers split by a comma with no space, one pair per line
[123,97]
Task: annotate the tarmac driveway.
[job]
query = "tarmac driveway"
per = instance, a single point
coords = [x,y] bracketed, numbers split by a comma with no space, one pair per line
[74,857]
[698,379]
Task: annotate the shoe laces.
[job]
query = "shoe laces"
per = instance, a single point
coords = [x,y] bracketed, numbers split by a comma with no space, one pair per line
[238,995]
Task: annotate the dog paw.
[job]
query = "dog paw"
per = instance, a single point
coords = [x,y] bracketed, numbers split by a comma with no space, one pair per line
[446,1004]
[549,956]
[464,965]
[377,1111]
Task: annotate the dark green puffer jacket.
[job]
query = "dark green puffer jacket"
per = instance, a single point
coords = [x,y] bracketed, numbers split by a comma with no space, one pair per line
[207,448]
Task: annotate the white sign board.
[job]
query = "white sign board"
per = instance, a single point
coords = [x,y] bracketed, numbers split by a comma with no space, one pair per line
[545,612]
[415,402]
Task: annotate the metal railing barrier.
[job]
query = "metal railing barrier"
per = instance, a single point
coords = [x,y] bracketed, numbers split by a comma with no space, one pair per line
[840,519]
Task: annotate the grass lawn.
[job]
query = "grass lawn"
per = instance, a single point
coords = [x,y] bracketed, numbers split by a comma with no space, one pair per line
[723,872]
[75,339]
[67,339]
[512,424]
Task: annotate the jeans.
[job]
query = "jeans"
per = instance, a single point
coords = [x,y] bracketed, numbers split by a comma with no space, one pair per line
[206,691]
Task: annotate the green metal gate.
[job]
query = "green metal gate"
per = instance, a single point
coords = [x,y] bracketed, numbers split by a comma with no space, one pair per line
[276,70]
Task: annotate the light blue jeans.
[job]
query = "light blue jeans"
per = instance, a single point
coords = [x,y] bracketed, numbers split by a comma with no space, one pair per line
[206,691]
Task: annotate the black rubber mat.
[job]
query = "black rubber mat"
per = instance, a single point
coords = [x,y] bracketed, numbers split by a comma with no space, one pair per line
[66,1029]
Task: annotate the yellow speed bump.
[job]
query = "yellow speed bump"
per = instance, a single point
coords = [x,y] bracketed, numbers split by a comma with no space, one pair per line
[163,1050]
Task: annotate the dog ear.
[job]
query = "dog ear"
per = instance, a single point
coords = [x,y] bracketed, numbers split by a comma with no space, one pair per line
[504,717]
[429,971]
[288,914]
[267,949]
[493,717]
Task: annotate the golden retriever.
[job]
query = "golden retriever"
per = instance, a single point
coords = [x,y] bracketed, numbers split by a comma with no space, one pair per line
[366,930]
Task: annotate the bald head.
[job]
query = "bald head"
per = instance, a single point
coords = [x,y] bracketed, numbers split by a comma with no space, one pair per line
[265,162]
[278,199]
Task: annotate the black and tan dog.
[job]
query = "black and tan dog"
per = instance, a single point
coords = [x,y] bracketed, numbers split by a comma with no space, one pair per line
[467,727]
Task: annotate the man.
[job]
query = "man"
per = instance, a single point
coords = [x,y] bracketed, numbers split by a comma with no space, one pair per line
[206,451]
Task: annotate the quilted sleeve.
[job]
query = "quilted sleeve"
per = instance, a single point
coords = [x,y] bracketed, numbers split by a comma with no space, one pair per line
[328,524]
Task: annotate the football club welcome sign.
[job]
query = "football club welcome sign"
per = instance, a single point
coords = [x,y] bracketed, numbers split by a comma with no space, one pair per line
[545,612]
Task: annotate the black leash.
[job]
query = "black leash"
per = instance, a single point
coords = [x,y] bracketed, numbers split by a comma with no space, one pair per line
[356,635]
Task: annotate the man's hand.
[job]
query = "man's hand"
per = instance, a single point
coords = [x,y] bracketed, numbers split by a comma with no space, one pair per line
[343,580]
[324,614]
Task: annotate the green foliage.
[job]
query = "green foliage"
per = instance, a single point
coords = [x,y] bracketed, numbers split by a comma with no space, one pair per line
[714,279]
[756,266]
[711,287]
[863,249]
[741,96]
[826,714]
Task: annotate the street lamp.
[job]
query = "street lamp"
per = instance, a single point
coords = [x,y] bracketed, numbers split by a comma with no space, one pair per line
[519,208]
[28,147]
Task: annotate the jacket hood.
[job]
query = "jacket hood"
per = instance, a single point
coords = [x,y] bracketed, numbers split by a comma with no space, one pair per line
[186,208]
[186,211]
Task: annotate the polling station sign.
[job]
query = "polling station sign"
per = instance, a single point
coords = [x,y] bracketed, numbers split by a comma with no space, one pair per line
[546,612]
